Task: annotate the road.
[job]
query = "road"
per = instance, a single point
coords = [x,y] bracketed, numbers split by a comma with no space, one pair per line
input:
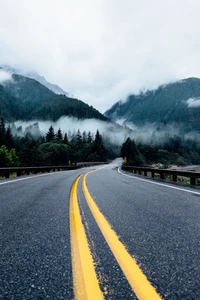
[106,235]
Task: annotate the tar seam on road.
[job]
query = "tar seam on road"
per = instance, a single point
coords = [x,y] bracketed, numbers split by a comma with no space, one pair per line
[85,281]
[157,183]
[137,280]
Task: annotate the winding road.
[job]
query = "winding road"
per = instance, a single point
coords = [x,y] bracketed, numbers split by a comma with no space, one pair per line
[98,233]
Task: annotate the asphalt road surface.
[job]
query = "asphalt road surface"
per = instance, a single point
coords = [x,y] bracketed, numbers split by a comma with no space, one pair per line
[143,237]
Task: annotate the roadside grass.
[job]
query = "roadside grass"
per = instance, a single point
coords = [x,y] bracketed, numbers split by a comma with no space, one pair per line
[12,175]
[183,180]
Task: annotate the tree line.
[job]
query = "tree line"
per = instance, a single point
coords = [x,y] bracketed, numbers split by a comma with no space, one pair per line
[174,150]
[30,148]
[52,149]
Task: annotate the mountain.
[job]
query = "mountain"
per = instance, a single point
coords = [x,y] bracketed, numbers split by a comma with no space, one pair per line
[34,75]
[23,98]
[53,87]
[4,104]
[176,103]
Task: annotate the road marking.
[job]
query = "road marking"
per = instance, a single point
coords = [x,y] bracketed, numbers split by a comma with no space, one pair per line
[161,184]
[138,281]
[86,286]
[35,176]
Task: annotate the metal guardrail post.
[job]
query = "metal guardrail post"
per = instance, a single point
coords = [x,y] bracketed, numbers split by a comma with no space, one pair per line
[192,180]
[174,177]
[162,175]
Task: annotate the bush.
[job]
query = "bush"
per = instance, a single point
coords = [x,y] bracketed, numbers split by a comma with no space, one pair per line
[53,154]
[8,158]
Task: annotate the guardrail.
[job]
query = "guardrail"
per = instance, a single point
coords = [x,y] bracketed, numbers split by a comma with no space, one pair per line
[163,173]
[6,172]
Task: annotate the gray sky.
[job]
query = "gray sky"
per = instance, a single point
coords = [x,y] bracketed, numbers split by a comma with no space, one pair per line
[102,50]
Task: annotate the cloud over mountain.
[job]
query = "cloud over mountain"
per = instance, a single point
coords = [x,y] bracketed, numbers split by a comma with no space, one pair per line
[101,51]
[4,76]
[193,102]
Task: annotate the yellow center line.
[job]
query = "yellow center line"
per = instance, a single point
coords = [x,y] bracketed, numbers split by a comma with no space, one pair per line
[137,280]
[86,286]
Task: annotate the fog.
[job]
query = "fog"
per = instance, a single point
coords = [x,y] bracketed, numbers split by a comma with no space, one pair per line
[71,125]
[115,133]
[5,76]
[193,102]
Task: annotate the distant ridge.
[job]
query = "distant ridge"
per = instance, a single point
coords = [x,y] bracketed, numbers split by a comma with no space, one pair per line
[23,98]
[177,103]
[34,75]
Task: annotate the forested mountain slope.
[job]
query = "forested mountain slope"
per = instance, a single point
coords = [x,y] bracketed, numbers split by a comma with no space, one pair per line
[177,103]
[25,99]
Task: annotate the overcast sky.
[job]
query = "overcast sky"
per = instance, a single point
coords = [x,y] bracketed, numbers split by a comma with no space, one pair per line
[102,50]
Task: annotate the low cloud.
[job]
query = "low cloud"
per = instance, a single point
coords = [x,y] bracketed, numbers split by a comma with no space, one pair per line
[116,134]
[193,102]
[151,133]
[5,76]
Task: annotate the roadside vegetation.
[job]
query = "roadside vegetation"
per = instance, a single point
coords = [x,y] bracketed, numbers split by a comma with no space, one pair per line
[173,151]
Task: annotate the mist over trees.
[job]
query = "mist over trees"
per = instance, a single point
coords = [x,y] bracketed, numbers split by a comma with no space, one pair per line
[28,147]
[55,148]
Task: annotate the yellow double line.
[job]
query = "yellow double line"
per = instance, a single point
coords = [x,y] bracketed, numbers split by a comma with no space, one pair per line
[86,286]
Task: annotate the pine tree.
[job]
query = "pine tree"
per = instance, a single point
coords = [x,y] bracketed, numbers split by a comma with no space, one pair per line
[9,138]
[98,147]
[130,151]
[79,140]
[65,140]
[59,136]
[2,131]
[50,136]
[84,137]
[89,138]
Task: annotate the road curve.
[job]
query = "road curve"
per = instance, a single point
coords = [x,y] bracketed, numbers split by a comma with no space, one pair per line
[158,227]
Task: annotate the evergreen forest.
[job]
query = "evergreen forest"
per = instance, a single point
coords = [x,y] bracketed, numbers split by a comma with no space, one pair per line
[175,103]
[26,99]
[174,150]
[53,149]
[58,148]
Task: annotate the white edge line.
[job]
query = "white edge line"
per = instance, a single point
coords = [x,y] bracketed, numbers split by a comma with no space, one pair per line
[31,177]
[157,183]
